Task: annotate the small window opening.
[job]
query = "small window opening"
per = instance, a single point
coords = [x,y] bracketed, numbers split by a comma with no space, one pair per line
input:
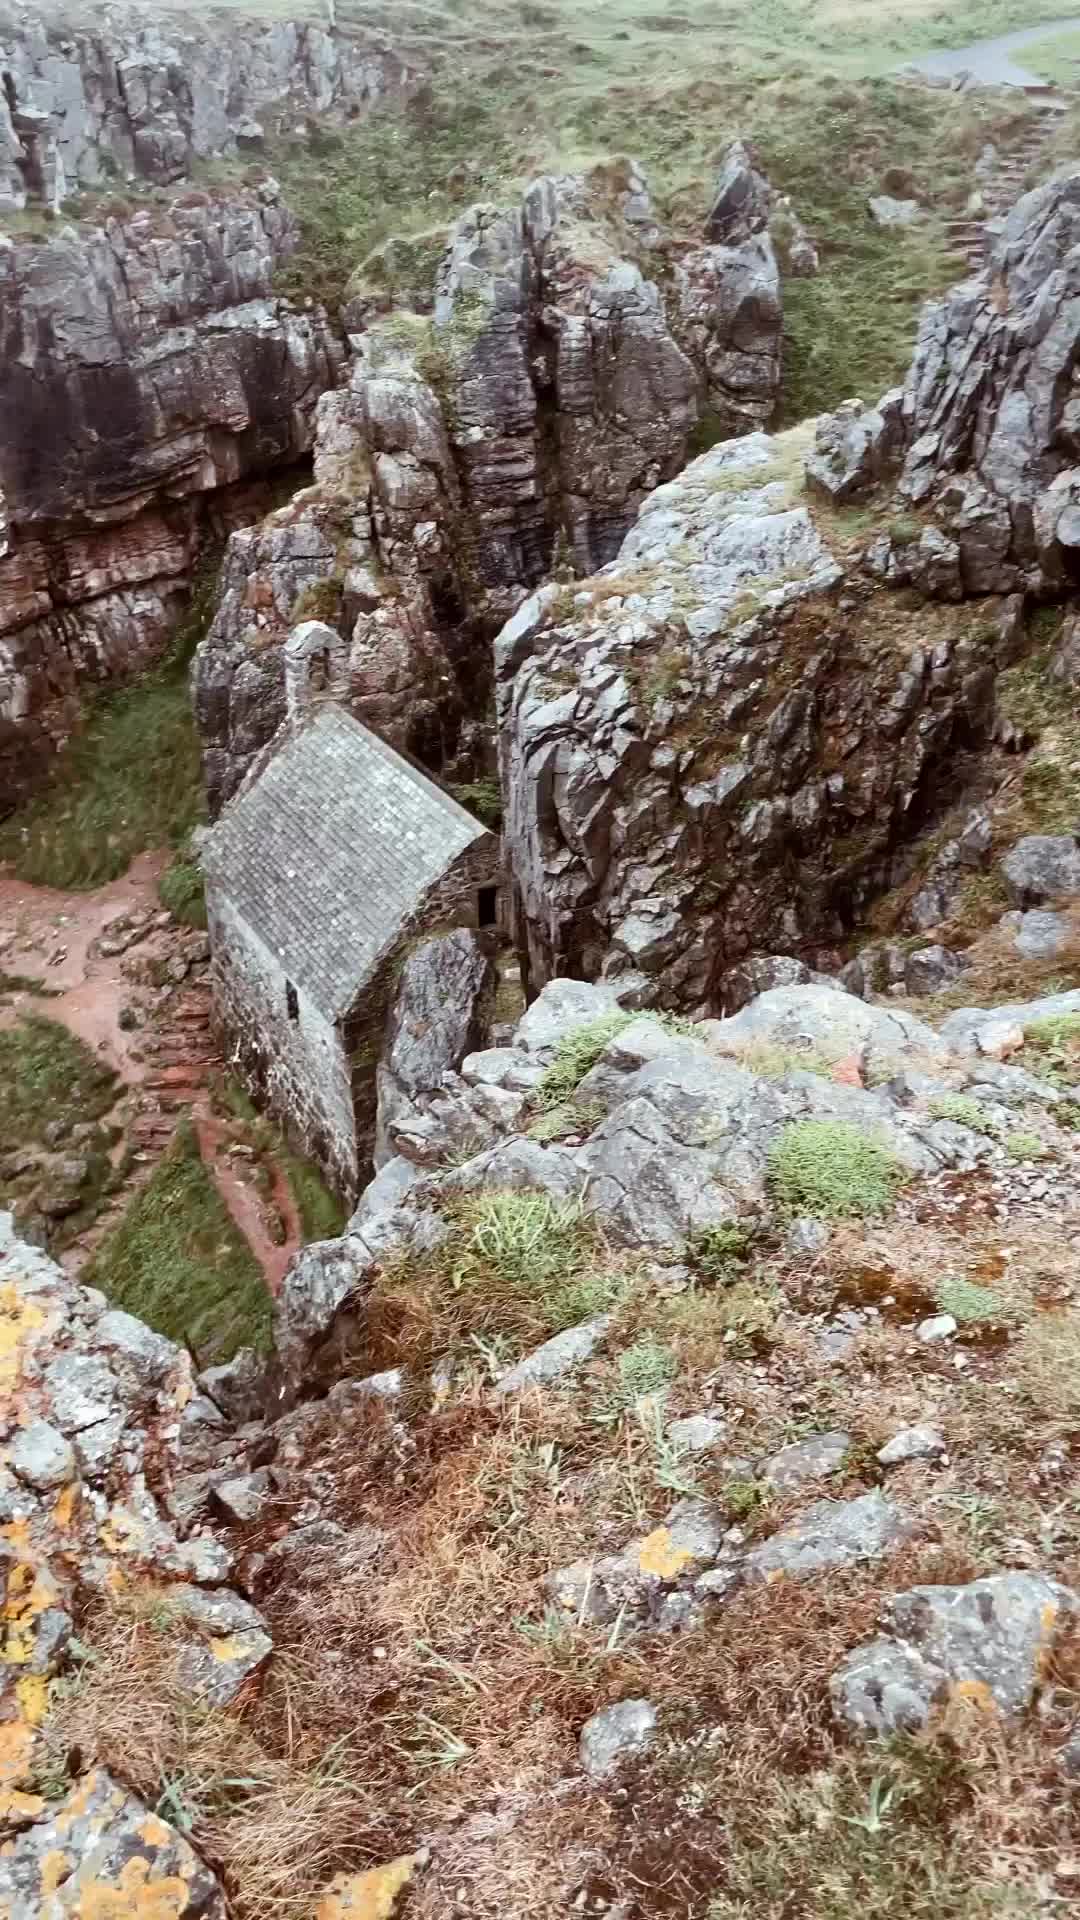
[487,906]
[292,1004]
[319,671]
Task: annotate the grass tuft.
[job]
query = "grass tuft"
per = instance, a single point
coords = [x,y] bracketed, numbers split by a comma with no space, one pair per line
[831,1170]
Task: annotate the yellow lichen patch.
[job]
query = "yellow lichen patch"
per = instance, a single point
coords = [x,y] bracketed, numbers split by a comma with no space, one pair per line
[122,1531]
[230,1646]
[55,1869]
[366,1896]
[16,1752]
[64,1509]
[78,1799]
[19,1320]
[30,1590]
[658,1554]
[134,1896]
[16,1806]
[32,1694]
[154,1831]
[974,1693]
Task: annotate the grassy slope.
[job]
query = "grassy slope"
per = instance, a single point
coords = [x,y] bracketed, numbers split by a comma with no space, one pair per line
[178,1261]
[47,1078]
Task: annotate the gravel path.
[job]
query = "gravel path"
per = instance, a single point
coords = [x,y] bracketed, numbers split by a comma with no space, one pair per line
[991,62]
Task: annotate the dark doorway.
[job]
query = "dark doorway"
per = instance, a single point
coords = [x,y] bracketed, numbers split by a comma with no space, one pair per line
[487,906]
[292,1004]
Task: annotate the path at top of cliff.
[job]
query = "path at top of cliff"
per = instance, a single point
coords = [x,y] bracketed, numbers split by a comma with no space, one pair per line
[991,63]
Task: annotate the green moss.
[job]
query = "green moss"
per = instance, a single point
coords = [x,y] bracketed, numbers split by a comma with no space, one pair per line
[832,1170]
[973,1305]
[1022,1145]
[483,798]
[578,1052]
[178,1261]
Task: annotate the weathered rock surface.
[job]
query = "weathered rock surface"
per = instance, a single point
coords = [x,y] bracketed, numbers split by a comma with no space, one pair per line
[436,1019]
[149,378]
[610,1737]
[1041,867]
[989,410]
[703,753]
[141,97]
[92,1432]
[679,1133]
[513,424]
[987,1642]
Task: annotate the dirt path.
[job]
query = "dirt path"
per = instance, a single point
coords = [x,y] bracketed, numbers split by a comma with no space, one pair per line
[990,62]
[165,1062]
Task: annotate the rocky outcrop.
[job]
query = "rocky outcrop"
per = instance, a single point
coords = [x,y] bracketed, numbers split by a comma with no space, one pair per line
[511,427]
[149,378]
[666,1135]
[97,1413]
[436,1019]
[993,433]
[140,98]
[706,749]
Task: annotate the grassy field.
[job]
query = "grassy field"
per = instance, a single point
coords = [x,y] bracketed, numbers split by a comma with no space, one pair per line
[51,1082]
[178,1261]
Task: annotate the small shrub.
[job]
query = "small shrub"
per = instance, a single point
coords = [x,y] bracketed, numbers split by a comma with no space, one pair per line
[182,893]
[577,1053]
[741,1498]
[830,1169]
[648,1367]
[319,600]
[719,1251]
[522,1247]
[482,798]
[966,1112]
[1025,1146]
[972,1305]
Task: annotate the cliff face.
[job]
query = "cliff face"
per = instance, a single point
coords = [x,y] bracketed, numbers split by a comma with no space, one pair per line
[508,422]
[146,372]
[142,98]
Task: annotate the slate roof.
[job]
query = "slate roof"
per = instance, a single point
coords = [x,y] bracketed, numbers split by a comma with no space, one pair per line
[331,850]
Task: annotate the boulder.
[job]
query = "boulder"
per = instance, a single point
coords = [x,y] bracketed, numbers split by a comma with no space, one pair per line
[855,448]
[614,1735]
[558,1356]
[987,1642]
[814,1459]
[1042,867]
[831,1533]
[885,211]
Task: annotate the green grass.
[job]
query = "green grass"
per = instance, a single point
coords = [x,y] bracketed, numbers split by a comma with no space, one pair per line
[871,1837]
[322,1215]
[972,1305]
[1022,1145]
[719,1252]
[181,890]
[966,1112]
[524,1246]
[178,1261]
[832,1171]
[1056,59]
[129,779]
[47,1075]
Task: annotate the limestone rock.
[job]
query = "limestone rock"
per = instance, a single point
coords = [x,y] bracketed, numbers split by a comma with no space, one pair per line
[971,1029]
[912,1443]
[1041,867]
[885,211]
[100,1849]
[988,407]
[436,1019]
[556,1357]
[615,1734]
[153,377]
[678,795]
[855,448]
[988,1642]
[813,1459]
[831,1533]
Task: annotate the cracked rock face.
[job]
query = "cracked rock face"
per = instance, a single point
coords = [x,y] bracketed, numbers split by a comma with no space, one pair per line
[149,379]
[139,98]
[991,417]
[705,752]
[517,420]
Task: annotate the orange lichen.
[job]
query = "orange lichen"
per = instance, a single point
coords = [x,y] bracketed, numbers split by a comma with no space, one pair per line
[32,1694]
[974,1693]
[19,1319]
[134,1896]
[64,1509]
[16,1806]
[366,1896]
[16,1752]
[658,1554]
